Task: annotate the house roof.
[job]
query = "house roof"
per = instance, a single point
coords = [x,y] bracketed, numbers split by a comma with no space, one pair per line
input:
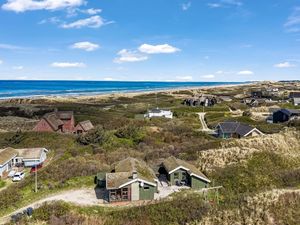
[7,154]
[157,110]
[30,153]
[55,119]
[171,164]
[124,173]
[235,127]
[294,94]
[115,180]
[86,125]
[290,112]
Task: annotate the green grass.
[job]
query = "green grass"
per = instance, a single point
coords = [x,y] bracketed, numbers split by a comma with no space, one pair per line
[2,184]
[265,170]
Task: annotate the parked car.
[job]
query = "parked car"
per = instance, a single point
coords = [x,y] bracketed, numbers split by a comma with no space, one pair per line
[18,176]
[33,169]
[11,173]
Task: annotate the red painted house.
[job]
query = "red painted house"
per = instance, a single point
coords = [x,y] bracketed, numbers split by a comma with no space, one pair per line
[61,122]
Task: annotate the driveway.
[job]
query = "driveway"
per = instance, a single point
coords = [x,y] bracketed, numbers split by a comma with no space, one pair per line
[82,197]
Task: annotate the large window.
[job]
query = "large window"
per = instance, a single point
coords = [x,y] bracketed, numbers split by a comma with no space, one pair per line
[119,195]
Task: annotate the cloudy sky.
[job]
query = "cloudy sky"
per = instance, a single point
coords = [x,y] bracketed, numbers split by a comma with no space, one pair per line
[160,40]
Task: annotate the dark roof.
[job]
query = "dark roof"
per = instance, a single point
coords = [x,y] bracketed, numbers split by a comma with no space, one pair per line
[290,112]
[173,163]
[294,94]
[55,118]
[235,127]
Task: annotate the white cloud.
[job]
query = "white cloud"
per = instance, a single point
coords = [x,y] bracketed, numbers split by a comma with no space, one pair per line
[184,78]
[284,65]
[225,3]
[11,47]
[53,20]
[214,5]
[208,76]
[92,11]
[186,6]
[1,62]
[91,22]
[220,72]
[293,22]
[68,64]
[26,5]
[157,49]
[85,45]
[129,56]
[18,67]
[245,72]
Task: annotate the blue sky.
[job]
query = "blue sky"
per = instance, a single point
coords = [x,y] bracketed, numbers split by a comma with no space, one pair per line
[160,40]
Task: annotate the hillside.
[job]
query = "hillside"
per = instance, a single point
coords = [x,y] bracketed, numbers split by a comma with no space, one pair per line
[260,176]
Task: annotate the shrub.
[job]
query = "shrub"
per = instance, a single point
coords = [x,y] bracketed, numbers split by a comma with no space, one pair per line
[46,211]
[95,136]
[131,131]
[16,138]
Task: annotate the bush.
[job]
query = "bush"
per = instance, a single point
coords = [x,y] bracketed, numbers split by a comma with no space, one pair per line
[131,131]
[46,211]
[181,210]
[95,136]
[16,138]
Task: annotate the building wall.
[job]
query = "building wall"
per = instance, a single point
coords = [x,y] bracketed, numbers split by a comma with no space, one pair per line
[197,183]
[279,117]
[43,126]
[146,192]
[172,179]
[69,125]
[3,169]
[6,167]
[135,192]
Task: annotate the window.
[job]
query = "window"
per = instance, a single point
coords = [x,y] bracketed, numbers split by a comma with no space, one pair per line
[146,188]
[176,176]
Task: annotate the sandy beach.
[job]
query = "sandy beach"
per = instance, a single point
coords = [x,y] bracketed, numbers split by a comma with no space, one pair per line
[111,96]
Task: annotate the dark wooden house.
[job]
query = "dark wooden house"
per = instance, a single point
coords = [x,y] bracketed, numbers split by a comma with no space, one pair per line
[284,115]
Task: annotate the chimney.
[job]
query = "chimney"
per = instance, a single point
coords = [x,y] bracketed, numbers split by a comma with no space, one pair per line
[134,174]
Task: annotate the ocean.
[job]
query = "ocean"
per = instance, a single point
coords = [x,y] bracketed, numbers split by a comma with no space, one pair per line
[22,89]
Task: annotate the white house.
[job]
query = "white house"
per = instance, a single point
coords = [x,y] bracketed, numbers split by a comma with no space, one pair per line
[296,101]
[27,157]
[30,157]
[7,160]
[159,113]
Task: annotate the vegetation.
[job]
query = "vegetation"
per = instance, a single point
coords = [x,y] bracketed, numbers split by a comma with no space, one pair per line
[74,160]
[180,210]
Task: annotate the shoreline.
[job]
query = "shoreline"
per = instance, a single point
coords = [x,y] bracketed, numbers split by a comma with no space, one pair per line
[128,94]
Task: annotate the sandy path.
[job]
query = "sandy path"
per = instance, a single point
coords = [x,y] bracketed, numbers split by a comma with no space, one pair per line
[203,123]
[82,197]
